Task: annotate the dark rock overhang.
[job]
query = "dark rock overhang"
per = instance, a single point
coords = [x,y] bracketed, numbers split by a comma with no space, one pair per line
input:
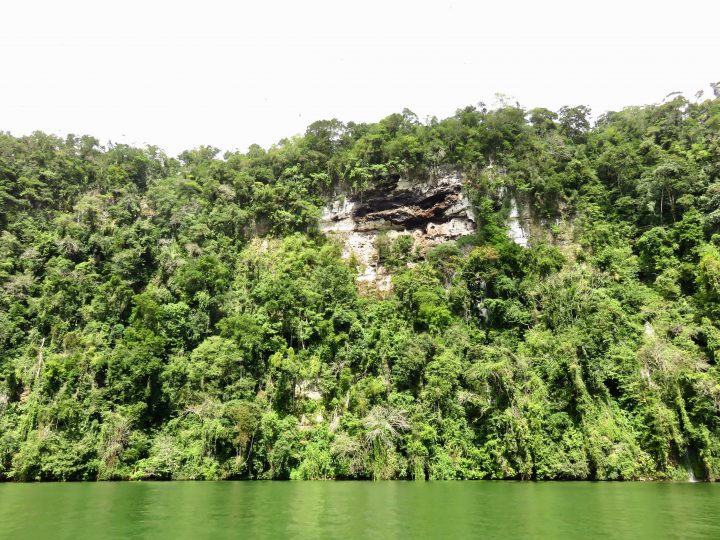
[409,208]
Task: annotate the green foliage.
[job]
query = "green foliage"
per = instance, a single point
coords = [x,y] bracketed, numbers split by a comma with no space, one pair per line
[166,318]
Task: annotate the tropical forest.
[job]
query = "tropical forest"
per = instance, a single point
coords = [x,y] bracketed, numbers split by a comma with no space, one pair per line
[506,293]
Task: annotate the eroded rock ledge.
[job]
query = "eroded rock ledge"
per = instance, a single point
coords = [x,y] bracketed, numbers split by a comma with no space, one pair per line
[432,212]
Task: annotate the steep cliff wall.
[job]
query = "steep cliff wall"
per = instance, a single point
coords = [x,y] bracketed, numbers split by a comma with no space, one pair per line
[432,212]
[526,226]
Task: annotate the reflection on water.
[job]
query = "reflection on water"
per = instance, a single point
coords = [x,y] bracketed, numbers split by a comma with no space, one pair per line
[359,510]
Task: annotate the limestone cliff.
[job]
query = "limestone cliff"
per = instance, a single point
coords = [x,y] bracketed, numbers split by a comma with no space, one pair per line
[432,211]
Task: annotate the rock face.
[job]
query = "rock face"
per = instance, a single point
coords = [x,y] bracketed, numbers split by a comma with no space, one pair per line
[432,212]
[517,225]
[526,227]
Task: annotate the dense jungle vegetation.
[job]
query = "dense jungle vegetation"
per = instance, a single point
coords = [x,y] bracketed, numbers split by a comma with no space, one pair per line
[184,318]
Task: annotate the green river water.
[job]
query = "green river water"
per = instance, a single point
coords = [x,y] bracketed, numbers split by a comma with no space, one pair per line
[343,510]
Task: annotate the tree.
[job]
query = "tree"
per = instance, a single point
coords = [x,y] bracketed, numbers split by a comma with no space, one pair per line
[575,122]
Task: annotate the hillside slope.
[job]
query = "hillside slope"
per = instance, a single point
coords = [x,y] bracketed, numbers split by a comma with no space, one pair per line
[500,294]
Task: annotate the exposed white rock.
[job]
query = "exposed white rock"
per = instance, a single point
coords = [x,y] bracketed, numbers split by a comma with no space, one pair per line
[649,330]
[451,229]
[516,231]
[335,422]
[432,212]
[362,245]
[308,390]
[337,217]
[368,274]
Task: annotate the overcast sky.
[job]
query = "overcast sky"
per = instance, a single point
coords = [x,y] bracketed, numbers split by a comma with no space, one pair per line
[179,74]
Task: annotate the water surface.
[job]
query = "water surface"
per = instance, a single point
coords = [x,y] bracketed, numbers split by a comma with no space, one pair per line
[453,510]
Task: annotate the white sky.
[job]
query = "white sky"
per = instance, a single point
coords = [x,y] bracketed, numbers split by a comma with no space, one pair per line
[230,73]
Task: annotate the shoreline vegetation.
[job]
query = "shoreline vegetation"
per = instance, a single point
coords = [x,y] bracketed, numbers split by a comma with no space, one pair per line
[185,318]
